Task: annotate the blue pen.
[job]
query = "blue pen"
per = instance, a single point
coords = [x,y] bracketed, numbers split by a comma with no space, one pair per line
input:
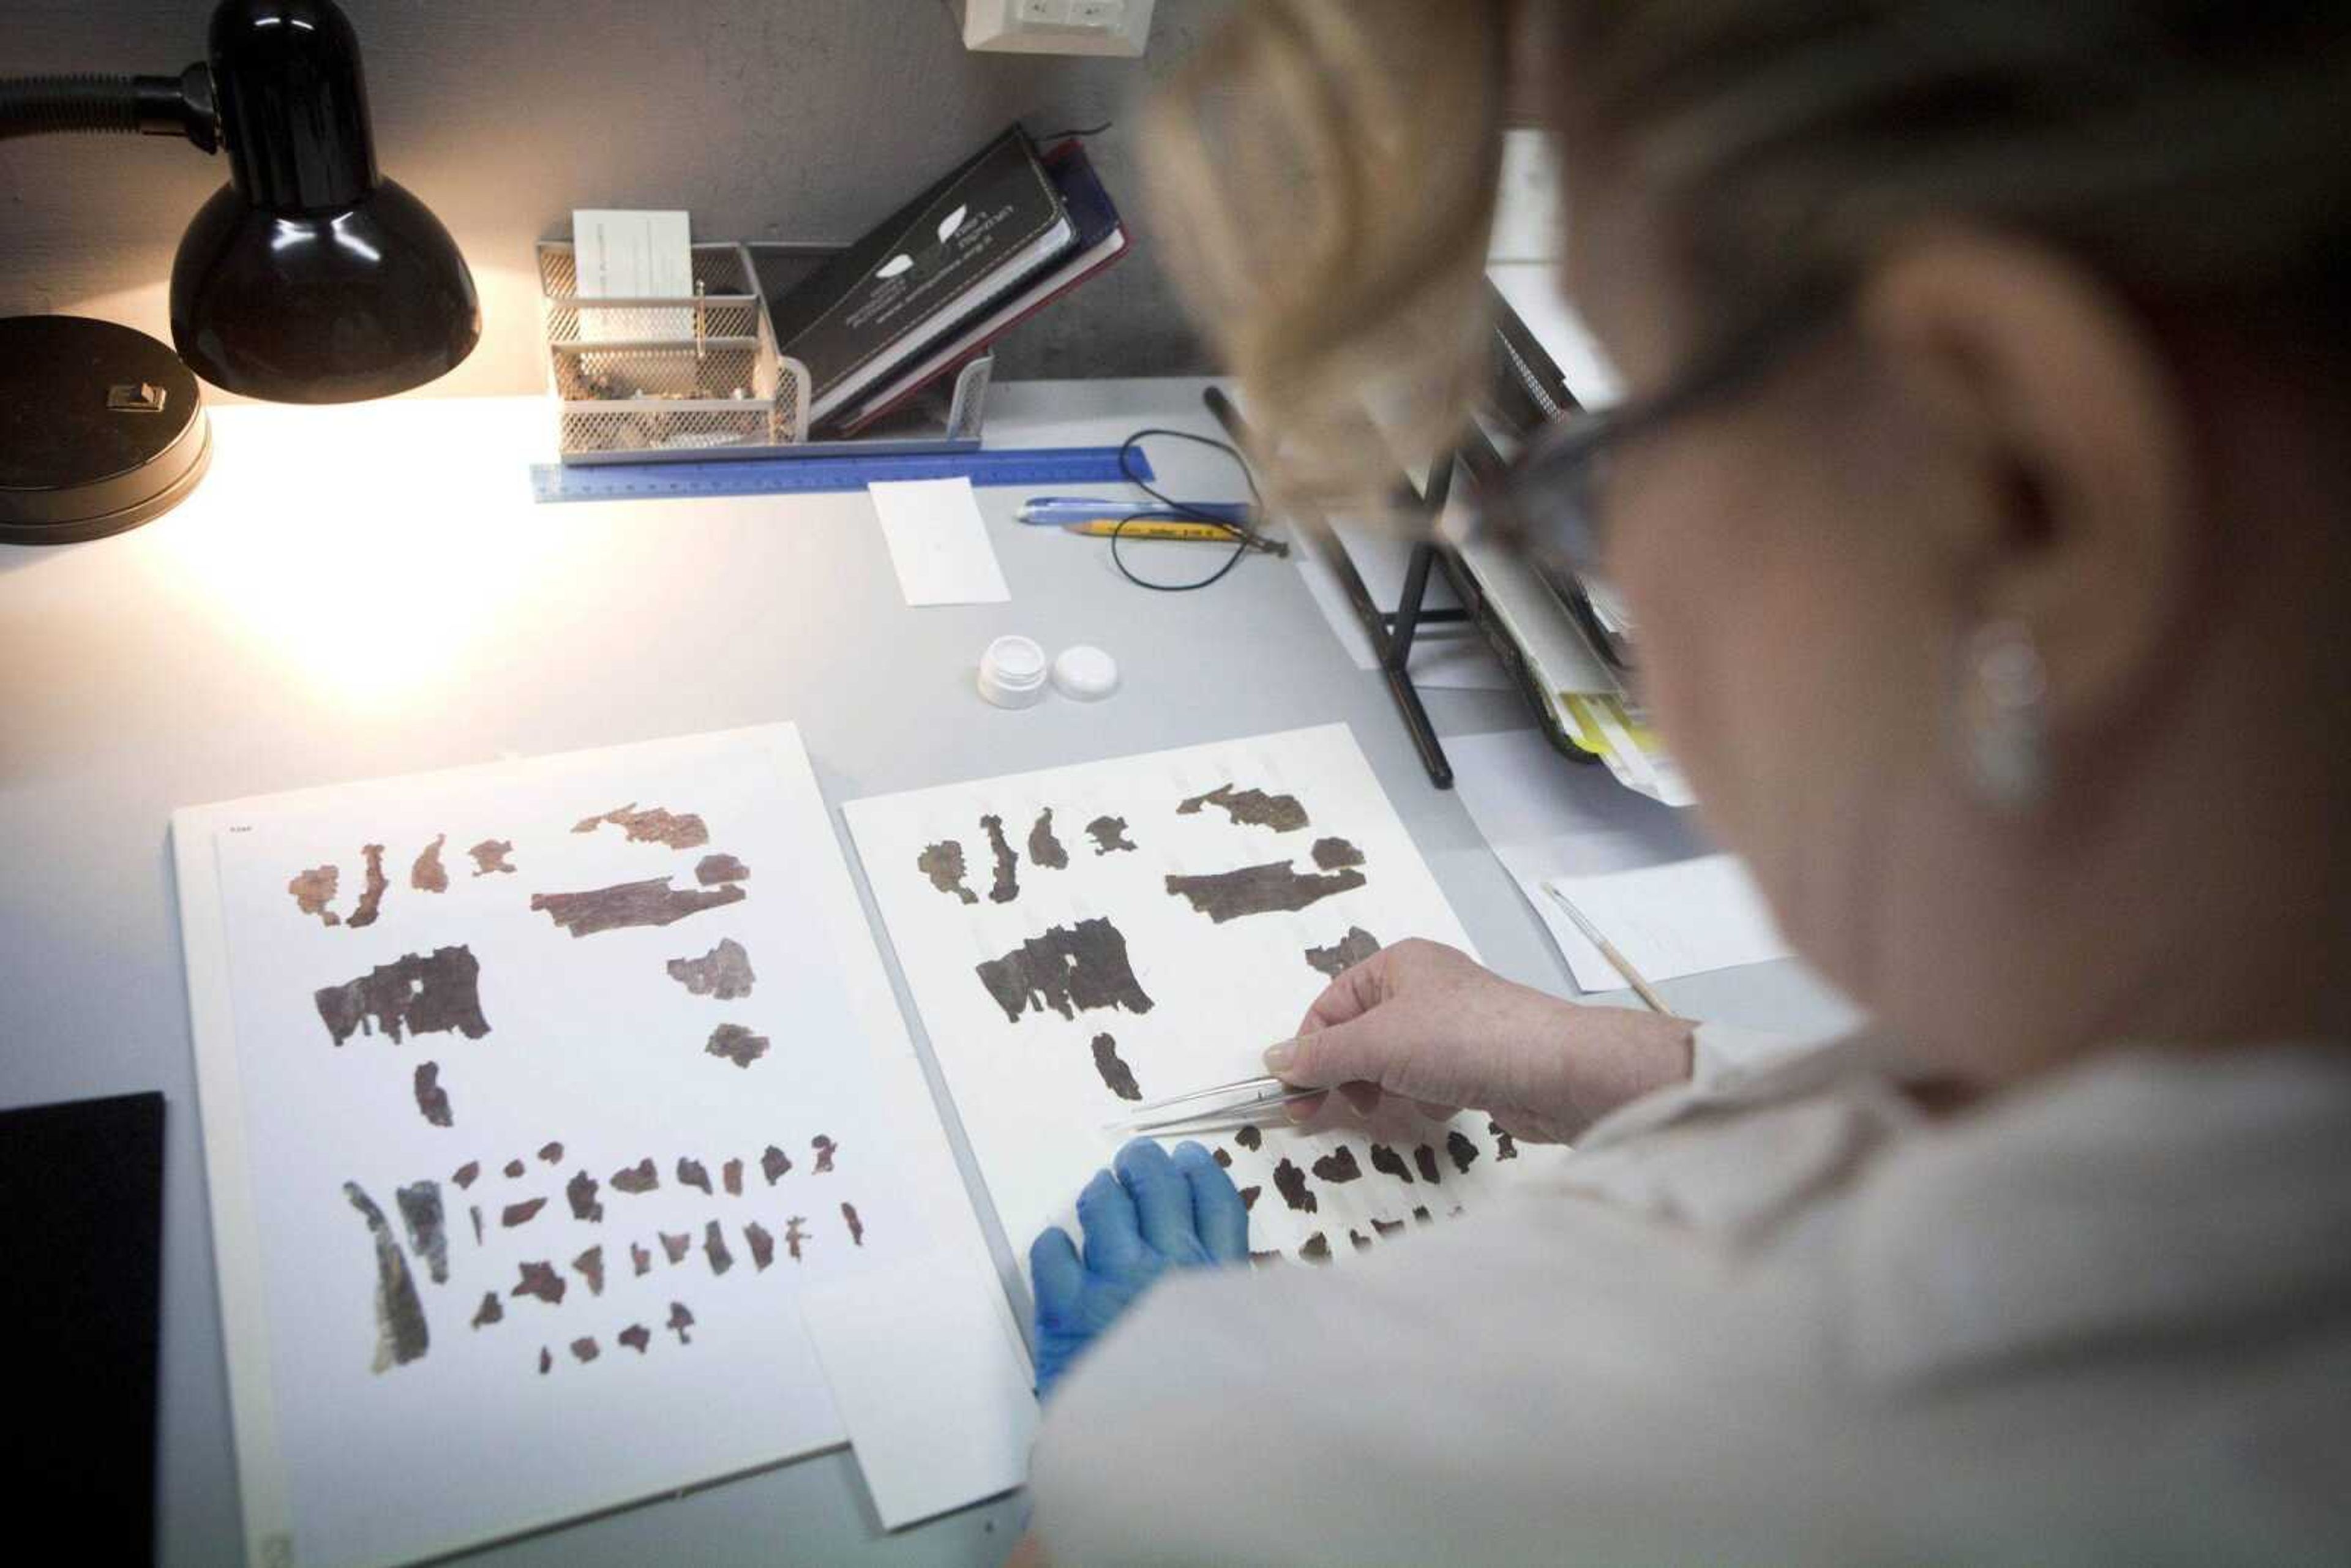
[1058,511]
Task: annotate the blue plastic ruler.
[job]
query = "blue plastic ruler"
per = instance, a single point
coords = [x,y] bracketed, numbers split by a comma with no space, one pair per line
[1028,465]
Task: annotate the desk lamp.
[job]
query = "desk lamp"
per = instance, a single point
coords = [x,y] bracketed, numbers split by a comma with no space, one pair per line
[309,277]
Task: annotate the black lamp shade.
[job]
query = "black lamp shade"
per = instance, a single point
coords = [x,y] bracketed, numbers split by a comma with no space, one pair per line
[310,278]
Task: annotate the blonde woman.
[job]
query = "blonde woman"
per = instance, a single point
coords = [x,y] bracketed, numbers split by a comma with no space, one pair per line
[1983,502]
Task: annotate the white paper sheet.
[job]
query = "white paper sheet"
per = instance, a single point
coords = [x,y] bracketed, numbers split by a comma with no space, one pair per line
[568,1059]
[1191,1001]
[1684,917]
[939,542]
[620,253]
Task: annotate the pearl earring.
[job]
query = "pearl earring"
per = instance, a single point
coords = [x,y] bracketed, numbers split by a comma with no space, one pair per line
[2003,716]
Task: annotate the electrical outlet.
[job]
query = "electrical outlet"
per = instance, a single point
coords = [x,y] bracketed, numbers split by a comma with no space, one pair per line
[1057,26]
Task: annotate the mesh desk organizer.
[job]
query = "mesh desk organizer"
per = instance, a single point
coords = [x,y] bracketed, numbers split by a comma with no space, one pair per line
[638,381]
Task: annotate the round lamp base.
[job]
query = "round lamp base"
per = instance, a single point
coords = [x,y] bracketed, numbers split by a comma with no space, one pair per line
[101,429]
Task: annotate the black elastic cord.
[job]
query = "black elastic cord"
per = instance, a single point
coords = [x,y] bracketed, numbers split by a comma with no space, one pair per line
[1245,539]
[1080,132]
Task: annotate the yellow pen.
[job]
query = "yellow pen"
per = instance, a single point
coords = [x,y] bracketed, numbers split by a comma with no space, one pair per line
[1209,533]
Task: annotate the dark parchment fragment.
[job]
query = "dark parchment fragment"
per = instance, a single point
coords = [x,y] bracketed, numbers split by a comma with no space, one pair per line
[1387,1161]
[372,894]
[313,890]
[1259,890]
[712,869]
[763,1246]
[1290,1182]
[1006,886]
[1505,1146]
[413,994]
[1223,1156]
[489,1311]
[1116,1076]
[638,1177]
[581,1193]
[733,1042]
[551,1152]
[1044,849]
[1264,1260]
[1462,1150]
[1336,854]
[942,863]
[1069,970]
[540,1279]
[680,1319]
[400,1335]
[856,1226]
[1249,1198]
[1317,1249]
[651,826]
[521,1213]
[730,1176]
[1362,1242]
[674,1246]
[1424,1159]
[724,972]
[713,1247]
[591,1265]
[794,1235]
[1338,1165]
[774,1163]
[1249,1138]
[545,1361]
[428,1234]
[825,1149]
[476,1210]
[1420,1215]
[514,1169]
[427,874]
[467,1173]
[636,1336]
[641,1260]
[628,903]
[431,1098]
[1345,954]
[692,1173]
[1249,808]
[584,1349]
[1108,833]
[490,855]
[1387,1227]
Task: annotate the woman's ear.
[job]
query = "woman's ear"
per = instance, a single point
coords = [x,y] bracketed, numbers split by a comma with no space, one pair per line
[2068,438]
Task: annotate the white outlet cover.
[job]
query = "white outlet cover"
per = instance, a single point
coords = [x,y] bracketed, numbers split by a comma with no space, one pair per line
[1020,26]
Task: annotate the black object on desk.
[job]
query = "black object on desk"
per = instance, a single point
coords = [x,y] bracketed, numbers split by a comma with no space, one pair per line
[82,1187]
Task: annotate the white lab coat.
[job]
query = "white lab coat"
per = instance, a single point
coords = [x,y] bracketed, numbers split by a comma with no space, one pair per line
[1776,1315]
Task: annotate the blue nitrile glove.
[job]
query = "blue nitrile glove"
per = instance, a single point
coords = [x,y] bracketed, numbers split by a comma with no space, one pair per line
[1159,1212]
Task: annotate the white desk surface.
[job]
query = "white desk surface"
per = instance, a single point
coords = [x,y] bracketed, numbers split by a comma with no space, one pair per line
[360,591]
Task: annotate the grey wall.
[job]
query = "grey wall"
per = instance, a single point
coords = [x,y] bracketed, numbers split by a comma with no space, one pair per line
[801,120]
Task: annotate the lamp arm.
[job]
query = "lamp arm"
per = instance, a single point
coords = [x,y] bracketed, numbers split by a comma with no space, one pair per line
[143,105]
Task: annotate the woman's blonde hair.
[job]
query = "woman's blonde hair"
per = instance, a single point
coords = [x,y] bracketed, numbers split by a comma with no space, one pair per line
[1324,170]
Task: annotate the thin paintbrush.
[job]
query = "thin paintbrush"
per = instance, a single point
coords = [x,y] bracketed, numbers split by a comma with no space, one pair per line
[1617,960]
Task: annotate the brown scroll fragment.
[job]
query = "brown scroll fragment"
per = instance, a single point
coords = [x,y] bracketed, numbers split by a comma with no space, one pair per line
[313,890]
[713,1247]
[724,972]
[763,1245]
[680,1319]
[591,1265]
[1462,1150]
[490,856]
[420,995]
[636,1336]
[372,894]
[1108,833]
[1362,1242]
[1420,1215]
[467,1173]
[1388,1163]
[1249,808]
[640,1261]
[1387,1227]
[673,1247]
[583,1348]
[1249,1138]
[628,903]
[1116,1076]
[1223,1156]
[794,1235]
[1259,890]
[1317,1249]
[400,1335]
[427,1227]
[1345,954]
[476,1210]
[636,1178]
[825,1149]
[1424,1159]
[514,1169]
[426,873]
[1290,1182]
[1249,1197]
[774,1163]
[693,1173]
[521,1213]
[730,1176]
[1506,1147]
[942,863]
[1070,969]
[489,1311]
[1338,1165]
[551,1152]
[1006,886]
[651,826]
[1266,1259]
[712,869]
[432,1100]
[733,1042]
[1044,849]
[540,1279]
[856,1226]
[545,1361]
[1336,854]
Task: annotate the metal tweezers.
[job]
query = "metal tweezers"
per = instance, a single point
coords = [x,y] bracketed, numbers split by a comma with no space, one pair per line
[1233,1104]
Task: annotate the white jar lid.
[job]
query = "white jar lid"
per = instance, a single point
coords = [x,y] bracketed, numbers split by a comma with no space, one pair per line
[1012,672]
[1085,673]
